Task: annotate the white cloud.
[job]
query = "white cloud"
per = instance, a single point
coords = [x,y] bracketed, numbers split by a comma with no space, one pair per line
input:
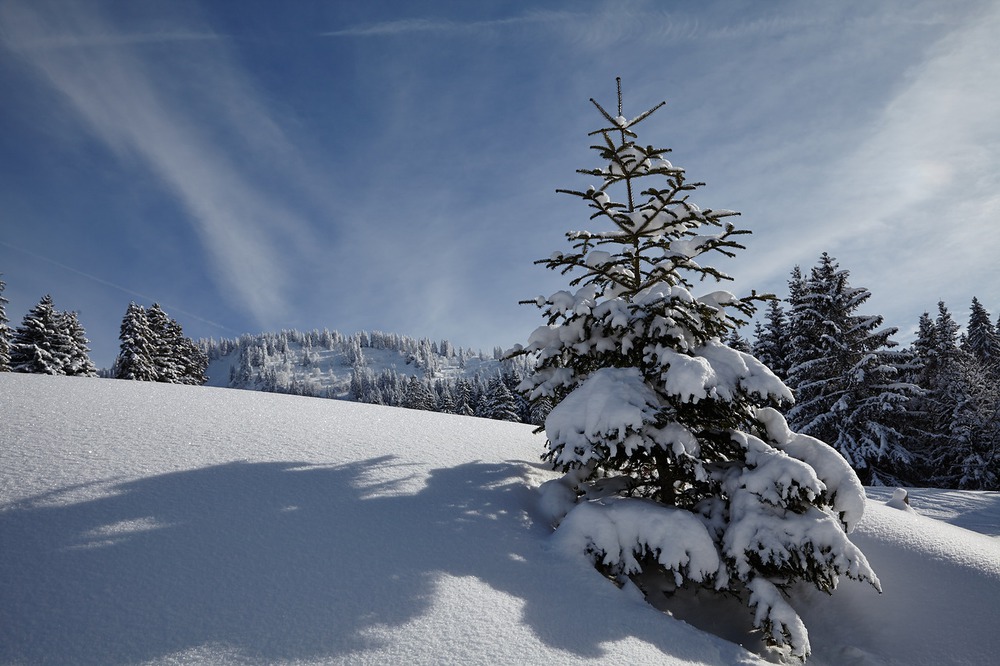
[423,25]
[135,105]
[908,201]
[919,202]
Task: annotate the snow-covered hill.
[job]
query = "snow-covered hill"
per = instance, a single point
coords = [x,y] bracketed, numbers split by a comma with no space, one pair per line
[153,523]
[375,368]
[322,363]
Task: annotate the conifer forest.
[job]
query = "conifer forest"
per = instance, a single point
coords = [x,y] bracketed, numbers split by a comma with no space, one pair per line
[922,414]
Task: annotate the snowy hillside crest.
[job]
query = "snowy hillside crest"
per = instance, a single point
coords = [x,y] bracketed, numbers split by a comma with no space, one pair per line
[372,367]
[679,471]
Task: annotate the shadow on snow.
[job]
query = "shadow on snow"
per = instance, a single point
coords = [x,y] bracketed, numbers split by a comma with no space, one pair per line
[281,561]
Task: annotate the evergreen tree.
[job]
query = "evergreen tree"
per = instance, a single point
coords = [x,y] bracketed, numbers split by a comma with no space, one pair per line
[982,340]
[165,344]
[40,344]
[464,401]
[920,372]
[180,359]
[78,360]
[4,331]
[772,340]
[846,378]
[736,341]
[445,400]
[498,402]
[154,349]
[650,403]
[191,359]
[962,412]
[418,396]
[137,355]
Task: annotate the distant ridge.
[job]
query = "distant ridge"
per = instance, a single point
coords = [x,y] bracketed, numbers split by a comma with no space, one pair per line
[373,367]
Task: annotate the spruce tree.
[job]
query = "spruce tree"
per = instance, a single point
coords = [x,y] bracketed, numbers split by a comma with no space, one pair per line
[464,399]
[189,358]
[921,371]
[4,331]
[445,399]
[419,396]
[962,409]
[772,340]
[675,432]
[846,377]
[165,343]
[498,402]
[154,349]
[78,361]
[40,344]
[981,339]
[136,358]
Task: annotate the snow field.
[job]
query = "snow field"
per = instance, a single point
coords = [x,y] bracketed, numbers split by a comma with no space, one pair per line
[150,523]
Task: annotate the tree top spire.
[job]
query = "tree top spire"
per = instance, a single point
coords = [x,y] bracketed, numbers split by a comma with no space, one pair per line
[619,122]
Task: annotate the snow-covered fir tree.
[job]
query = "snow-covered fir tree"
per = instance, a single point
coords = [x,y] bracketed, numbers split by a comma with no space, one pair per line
[41,344]
[772,340]
[920,372]
[78,361]
[465,403]
[846,377]
[137,355]
[182,361]
[419,396]
[154,349]
[4,331]
[981,339]
[675,459]
[445,399]
[735,340]
[164,343]
[961,404]
[498,402]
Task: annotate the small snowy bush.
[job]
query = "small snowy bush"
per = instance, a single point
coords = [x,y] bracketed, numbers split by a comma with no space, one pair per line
[675,459]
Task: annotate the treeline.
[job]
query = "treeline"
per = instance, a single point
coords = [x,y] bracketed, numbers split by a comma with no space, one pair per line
[378,368]
[923,415]
[154,349]
[48,342]
[52,342]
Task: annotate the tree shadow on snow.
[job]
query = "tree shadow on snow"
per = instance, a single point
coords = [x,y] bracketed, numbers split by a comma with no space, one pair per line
[280,561]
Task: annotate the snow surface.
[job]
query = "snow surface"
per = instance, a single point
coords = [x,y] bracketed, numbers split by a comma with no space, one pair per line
[149,523]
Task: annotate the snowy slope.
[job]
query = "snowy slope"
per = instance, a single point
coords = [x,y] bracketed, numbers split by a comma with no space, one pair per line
[321,363]
[148,523]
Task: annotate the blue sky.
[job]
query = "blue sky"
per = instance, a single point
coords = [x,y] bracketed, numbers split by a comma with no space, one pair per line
[254,166]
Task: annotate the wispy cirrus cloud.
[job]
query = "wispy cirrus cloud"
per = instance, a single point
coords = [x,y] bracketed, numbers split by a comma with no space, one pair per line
[910,197]
[150,109]
[21,42]
[425,25]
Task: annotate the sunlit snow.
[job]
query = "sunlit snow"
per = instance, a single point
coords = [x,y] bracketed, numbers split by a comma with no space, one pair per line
[145,523]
